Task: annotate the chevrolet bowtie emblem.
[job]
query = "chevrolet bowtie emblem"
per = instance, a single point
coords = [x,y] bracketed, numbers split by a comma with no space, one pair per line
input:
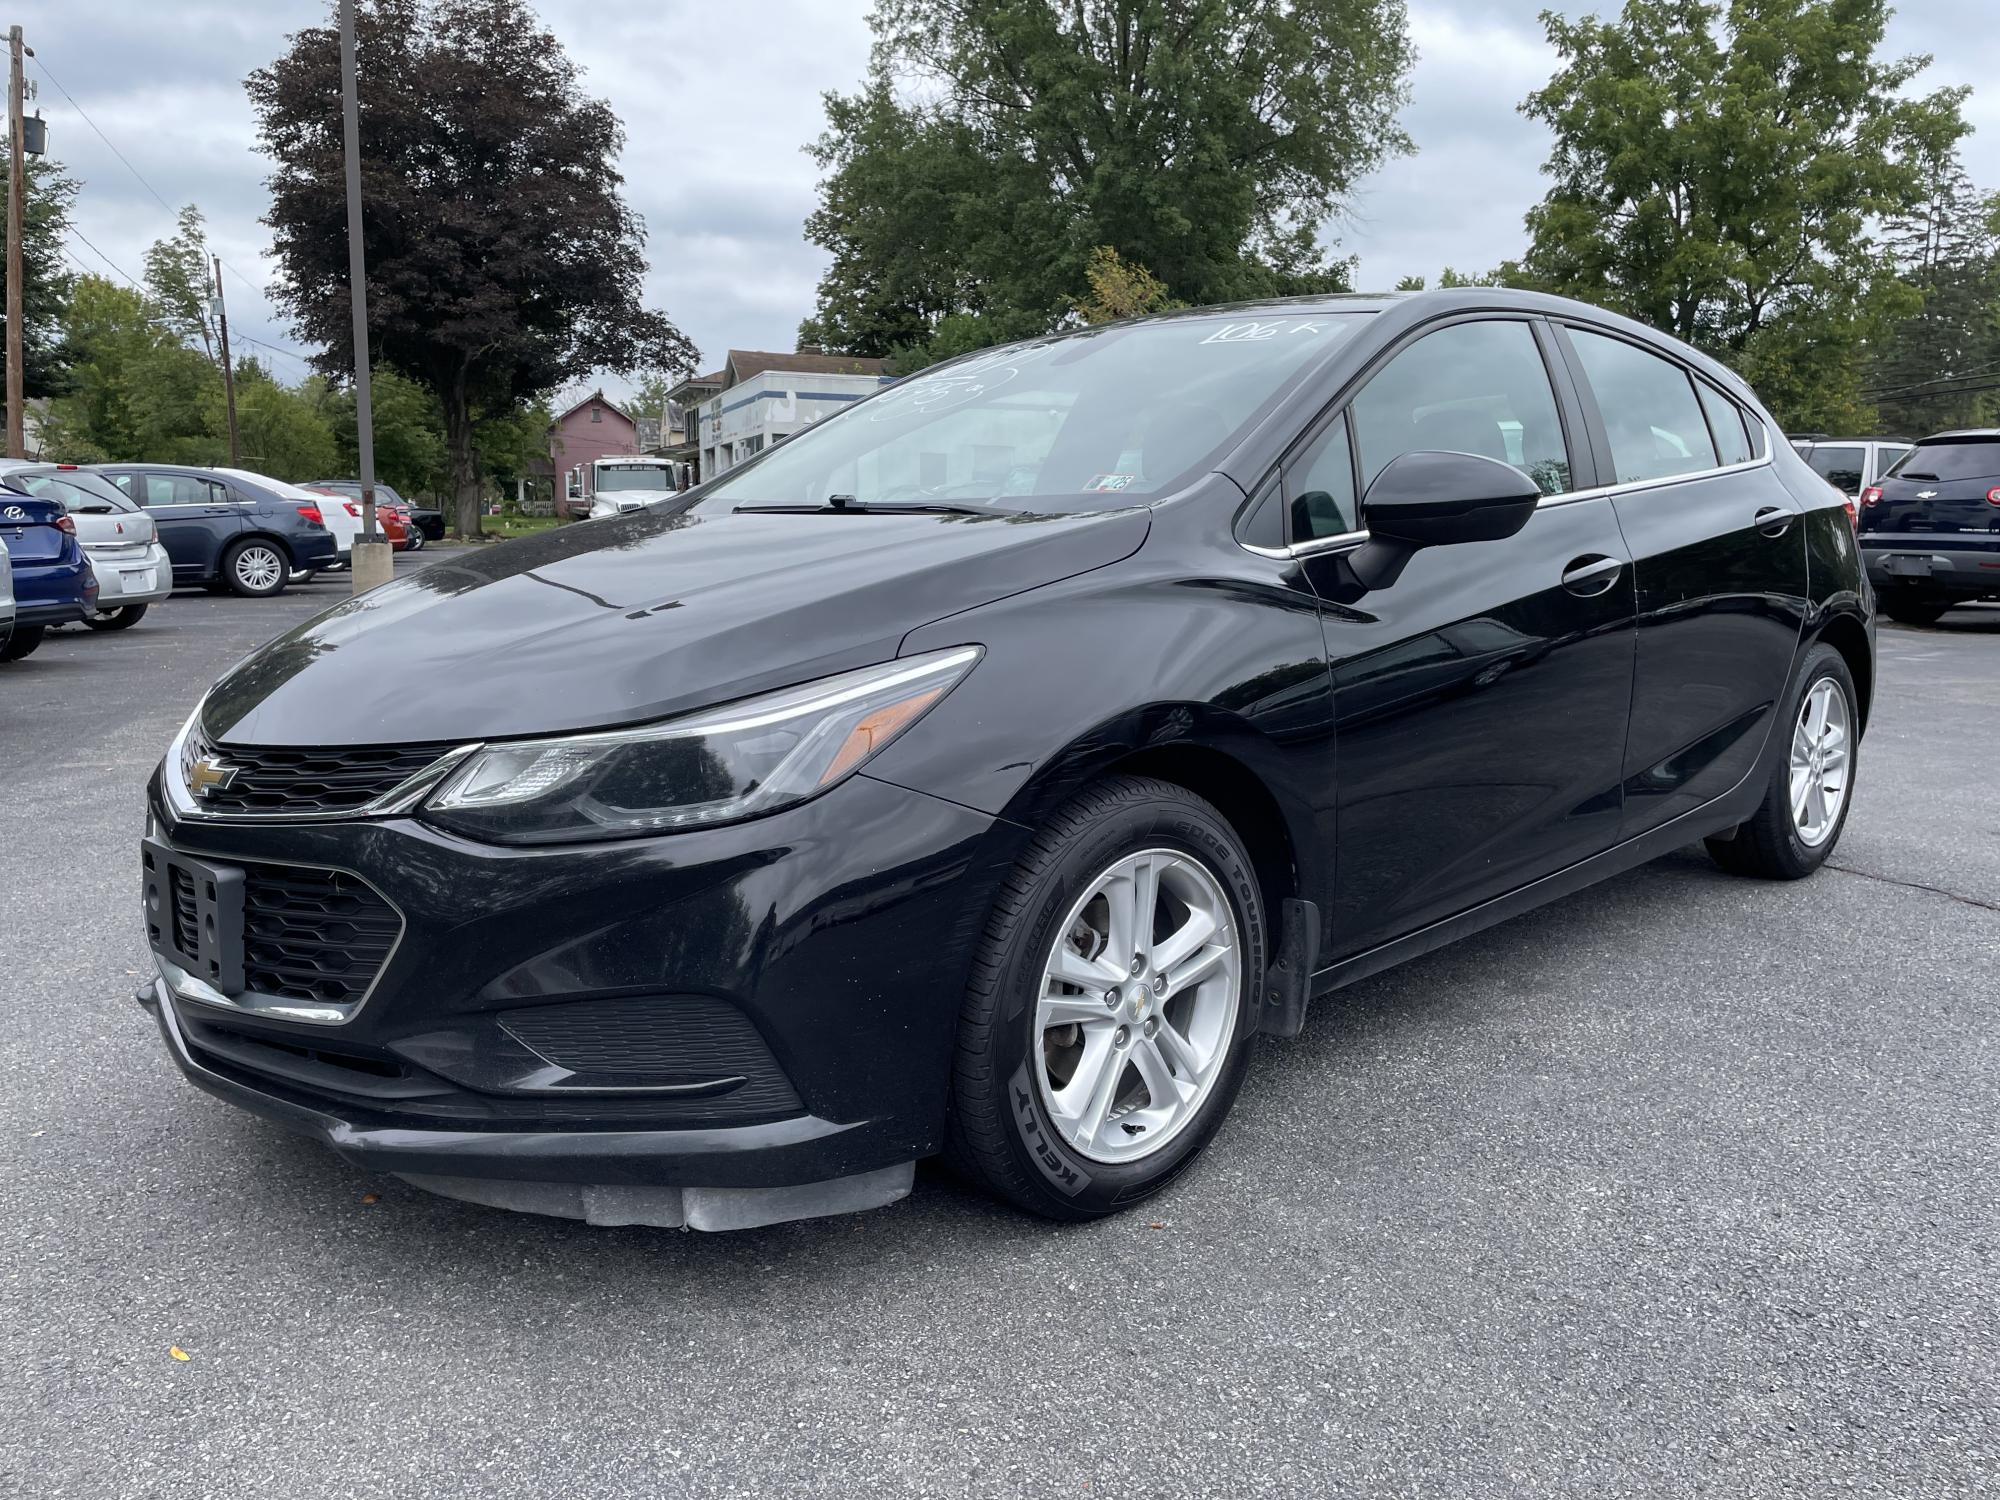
[207,775]
[1927,494]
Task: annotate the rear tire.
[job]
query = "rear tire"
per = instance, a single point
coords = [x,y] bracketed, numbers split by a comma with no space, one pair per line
[22,642]
[1908,607]
[1782,840]
[255,569]
[1175,1037]
[118,617]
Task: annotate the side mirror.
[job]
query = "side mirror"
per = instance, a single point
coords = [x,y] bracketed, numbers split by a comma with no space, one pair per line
[1432,499]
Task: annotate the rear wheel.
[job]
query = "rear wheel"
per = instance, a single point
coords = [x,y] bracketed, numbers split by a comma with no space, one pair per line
[118,617]
[1105,1029]
[256,569]
[22,642]
[1908,607]
[1805,803]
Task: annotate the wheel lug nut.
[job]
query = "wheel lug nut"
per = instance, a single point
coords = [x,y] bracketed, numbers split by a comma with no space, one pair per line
[1122,1036]
[1151,1027]
[1138,966]
[1111,998]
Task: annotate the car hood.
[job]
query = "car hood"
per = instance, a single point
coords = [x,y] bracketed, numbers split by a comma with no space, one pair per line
[637,617]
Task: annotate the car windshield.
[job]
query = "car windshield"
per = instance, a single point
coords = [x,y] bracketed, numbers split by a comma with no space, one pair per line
[631,477]
[1084,420]
[1975,459]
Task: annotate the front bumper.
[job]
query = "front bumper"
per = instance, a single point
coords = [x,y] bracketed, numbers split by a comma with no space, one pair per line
[1937,564]
[841,930]
[133,576]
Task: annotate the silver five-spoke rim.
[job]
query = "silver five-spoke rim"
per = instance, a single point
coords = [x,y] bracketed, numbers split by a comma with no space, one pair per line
[258,568]
[1137,1007]
[1820,754]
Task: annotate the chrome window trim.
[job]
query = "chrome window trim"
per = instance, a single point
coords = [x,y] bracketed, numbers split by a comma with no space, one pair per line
[1548,502]
[400,798]
[186,986]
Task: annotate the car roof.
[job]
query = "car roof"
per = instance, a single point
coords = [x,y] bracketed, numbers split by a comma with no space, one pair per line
[1963,435]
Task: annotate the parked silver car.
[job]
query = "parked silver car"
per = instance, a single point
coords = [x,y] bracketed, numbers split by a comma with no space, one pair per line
[6,595]
[120,539]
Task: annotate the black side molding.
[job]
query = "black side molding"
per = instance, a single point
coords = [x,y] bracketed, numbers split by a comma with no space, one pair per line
[1288,982]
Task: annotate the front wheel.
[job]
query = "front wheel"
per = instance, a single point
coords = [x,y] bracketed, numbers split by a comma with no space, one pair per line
[1805,802]
[255,569]
[1105,1029]
[118,617]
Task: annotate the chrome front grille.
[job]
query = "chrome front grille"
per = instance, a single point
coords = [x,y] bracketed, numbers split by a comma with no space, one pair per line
[293,781]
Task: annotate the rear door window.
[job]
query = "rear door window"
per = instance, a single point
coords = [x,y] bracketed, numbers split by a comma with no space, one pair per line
[1725,425]
[1839,464]
[1651,416]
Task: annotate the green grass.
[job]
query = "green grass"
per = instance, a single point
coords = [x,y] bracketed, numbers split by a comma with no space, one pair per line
[512,526]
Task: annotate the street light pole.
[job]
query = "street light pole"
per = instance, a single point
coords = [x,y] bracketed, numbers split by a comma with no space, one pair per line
[17,192]
[373,561]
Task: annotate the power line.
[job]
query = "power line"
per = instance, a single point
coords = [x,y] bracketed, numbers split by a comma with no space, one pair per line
[130,279]
[138,287]
[100,134]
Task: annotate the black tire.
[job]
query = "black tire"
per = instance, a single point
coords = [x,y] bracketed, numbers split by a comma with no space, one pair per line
[256,568]
[1908,607]
[1000,1134]
[416,540]
[118,617]
[22,642]
[1768,845]
[300,577]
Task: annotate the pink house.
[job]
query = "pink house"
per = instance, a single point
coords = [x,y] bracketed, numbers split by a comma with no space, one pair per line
[594,428]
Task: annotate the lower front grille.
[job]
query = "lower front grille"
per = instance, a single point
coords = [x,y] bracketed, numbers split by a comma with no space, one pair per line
[314,935]
[187,929]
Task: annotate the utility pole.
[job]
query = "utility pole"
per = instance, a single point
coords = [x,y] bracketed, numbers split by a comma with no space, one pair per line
[17,192]
[373,560]
[228,370]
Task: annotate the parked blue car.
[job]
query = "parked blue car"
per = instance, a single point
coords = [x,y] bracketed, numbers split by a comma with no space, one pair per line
[221,529]
[53,584]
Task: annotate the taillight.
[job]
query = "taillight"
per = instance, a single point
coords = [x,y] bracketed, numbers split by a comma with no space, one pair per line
[1853,514]
[1872,495]
[348,505]
[65,525]
[1993,496]
[311,513]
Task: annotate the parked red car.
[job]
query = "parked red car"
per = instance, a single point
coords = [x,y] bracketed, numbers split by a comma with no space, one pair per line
[392,517]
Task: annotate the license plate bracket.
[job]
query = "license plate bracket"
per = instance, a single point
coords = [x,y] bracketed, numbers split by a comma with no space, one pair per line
[194,899]
[1907,567]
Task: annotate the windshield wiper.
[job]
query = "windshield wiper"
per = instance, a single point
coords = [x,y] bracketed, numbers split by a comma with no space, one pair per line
[849,505]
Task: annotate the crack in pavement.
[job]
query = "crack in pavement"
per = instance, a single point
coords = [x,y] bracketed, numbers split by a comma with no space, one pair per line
[1915,885]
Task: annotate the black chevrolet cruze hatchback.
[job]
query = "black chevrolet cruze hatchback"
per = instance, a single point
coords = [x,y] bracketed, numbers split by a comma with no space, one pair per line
[981,770]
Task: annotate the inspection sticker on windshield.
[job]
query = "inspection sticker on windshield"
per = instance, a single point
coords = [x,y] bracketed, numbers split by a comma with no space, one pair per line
[1102,482]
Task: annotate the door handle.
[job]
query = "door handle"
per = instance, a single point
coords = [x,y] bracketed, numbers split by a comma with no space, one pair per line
[1772,520]
[1591,575]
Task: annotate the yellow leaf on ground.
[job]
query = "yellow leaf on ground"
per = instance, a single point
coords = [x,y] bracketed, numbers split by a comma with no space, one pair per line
[179,1353]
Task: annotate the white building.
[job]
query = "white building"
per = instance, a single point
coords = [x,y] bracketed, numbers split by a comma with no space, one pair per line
[766,397]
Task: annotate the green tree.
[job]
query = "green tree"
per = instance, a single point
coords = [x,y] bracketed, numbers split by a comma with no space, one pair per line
[178,280]
[1940,367]
[135,391]
[650,399]
[46,282]
[1120,289]
[283,432]
[1206,140]
[408,428]
[502,260]
[1716,171]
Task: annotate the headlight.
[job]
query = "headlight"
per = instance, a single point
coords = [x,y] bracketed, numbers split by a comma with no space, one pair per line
[717,766]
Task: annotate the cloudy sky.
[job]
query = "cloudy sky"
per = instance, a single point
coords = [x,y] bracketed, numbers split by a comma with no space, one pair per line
[717,101]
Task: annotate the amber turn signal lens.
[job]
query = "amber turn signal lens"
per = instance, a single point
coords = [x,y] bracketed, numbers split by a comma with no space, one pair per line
[870,734]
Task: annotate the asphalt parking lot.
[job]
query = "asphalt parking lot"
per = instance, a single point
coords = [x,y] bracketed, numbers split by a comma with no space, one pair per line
[1686,1185]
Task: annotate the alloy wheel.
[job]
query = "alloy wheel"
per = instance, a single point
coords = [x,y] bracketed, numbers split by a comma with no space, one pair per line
[1820,752]
[259,568]
[1138,1005]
